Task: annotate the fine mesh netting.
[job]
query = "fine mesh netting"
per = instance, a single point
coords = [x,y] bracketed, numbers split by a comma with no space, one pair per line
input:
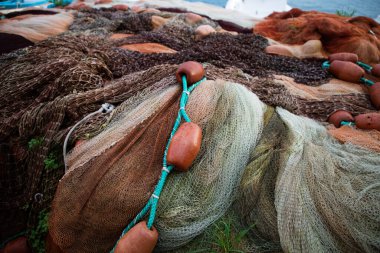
[300,187]
[254,160]
[218,108]
[368,138]
[118,185]
[306,191]
[231,119]
[323,189]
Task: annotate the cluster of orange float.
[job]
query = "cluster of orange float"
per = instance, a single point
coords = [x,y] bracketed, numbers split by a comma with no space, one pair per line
[344,66]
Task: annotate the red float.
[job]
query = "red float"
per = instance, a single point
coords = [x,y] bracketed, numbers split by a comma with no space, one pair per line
[346,71]
[194,72]
[185,146]
[344,57]
[368,121]
[140,239]
[338,116]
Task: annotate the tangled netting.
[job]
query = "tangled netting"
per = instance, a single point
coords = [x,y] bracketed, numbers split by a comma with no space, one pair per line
[359,35]
[245,51]
[301,188]
[49,87]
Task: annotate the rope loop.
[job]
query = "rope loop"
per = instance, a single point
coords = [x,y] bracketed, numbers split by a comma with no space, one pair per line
[105,108]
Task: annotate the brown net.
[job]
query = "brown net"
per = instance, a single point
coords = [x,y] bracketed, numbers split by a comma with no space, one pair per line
[124,169]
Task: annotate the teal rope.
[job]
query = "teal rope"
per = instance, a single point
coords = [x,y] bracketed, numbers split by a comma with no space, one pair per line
[364,66]
[152,203]
[326,65]
[347,123]
[367,81]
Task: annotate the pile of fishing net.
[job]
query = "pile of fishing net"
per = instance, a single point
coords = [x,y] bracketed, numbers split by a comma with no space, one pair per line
[266,166]
[297,185]
[359,35]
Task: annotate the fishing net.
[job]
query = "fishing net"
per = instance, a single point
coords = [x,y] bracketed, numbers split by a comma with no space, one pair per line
[231,129]
[127,179]
[364,138]
[103,21]
[314,102]
[296,181]
[322,189]
[215,110]
[52,94]
[44,92]
[49,87]
[255,202]
[245,51]
[306,191]
[359,35]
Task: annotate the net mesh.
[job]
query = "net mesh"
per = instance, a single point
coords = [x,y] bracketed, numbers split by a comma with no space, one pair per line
[242,174]
[364,138]
[285,174]
[322,189]
[337,33]
[230,131]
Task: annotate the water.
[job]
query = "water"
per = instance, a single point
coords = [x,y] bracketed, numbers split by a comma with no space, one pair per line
[369,8]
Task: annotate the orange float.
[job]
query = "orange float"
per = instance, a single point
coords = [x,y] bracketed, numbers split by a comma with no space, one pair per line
[51,246]
[140,239]
[368,121]
[338,116]
[344,57]
[346,71]
[193,71]
[18,245]
[376,70]
[374,93]
[185,146]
